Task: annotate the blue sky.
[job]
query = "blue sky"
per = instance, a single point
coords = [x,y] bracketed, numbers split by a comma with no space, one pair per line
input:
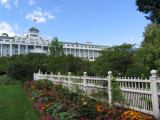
[102,22]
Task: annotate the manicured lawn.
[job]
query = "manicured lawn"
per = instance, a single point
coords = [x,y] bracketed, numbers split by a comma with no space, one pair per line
[15,104]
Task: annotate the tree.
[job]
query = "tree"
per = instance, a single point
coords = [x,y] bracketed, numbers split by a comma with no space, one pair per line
[150,50]
[151,7]
[115,59]
[37,60]
[56,58]
[76,65]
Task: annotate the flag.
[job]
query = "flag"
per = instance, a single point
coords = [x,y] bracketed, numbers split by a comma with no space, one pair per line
[35,20]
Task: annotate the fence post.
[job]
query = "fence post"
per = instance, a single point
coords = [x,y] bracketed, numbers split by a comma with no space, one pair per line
[109,86]
[59,76]
[69,82]
[84,80]
[45,75]
[154,89]
[34,76]
[51,76]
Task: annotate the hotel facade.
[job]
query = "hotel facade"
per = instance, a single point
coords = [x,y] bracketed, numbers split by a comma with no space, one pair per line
[33,43]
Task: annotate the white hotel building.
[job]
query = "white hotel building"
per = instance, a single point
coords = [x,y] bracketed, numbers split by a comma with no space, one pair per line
[32,42]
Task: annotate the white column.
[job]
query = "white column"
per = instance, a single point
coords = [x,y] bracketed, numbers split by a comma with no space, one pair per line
[10,54]
[75,52]
[19,49]
[42,47]
[70,50]
[1,49]
[26,49]
[88,54]
[84,53]
[34,46]
[93,54]
[79,53]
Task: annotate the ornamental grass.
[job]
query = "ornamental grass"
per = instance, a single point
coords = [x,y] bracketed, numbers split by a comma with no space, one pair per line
[55,102]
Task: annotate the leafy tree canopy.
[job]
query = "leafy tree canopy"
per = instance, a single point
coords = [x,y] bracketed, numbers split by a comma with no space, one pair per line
[150,50]
[115,59]
[150,7]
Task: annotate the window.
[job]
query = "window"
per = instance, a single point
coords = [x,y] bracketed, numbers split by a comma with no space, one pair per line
[1,40]
[6,40]
[33,35]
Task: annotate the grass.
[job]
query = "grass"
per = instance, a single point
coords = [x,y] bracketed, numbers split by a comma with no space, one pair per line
[15,104]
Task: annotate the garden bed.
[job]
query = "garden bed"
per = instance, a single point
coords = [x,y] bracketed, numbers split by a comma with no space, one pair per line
[53,101]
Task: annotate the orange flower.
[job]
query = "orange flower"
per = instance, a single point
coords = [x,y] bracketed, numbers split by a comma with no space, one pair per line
[84,103]
[51,103]
[99,108]
[32,86]
[43,108]
[83,99]
[47,105]
[109,112]
[40,91]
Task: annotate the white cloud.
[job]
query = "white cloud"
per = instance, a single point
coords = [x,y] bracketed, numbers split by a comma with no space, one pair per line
[3,1]
[7,5]
[49,15]
[6,28]
[16,2]
[58,10]
[31,2]
[15,26]
[39,16]
[49,37]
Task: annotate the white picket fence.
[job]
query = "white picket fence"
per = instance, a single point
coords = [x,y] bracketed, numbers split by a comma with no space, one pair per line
[139,94]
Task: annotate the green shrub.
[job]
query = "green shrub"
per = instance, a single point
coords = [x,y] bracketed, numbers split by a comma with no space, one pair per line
[20,71]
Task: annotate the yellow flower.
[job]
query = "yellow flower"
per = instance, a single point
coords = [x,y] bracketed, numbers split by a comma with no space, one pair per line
[84,103]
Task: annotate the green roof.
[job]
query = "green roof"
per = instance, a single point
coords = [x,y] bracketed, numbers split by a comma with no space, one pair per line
[4,34]
[33,29]
[6,37]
